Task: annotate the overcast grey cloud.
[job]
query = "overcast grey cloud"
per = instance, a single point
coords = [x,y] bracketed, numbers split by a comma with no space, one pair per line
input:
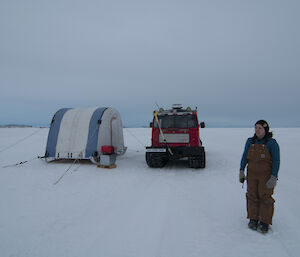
[237,61]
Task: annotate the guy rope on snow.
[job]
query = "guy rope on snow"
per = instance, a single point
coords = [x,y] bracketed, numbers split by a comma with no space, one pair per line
[19,141]
[20,163]
[77,159]
[138,140]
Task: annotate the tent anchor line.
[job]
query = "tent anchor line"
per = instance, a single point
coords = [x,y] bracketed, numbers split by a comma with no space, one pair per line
[77,159]
[20,163]
[21,140]
[135,137]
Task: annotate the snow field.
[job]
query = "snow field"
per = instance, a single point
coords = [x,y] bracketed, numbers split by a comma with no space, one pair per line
[137,211]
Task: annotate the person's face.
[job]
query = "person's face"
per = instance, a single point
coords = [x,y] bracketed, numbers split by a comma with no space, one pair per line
[259,131]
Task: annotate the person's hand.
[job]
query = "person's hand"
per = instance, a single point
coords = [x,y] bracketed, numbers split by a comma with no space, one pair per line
[271,183]
[242,176]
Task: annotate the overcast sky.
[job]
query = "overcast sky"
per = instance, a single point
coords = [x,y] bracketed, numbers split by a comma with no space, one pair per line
[236,60]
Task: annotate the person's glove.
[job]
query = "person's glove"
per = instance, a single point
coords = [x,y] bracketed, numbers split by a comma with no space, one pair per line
[271,183]
[242,176]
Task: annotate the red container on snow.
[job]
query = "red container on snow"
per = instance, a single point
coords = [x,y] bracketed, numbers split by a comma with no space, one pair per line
[107,149]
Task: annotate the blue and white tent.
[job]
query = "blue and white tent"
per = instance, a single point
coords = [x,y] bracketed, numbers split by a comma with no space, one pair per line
[80,133]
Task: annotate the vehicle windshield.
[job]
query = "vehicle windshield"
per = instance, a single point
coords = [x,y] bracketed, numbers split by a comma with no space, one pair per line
[176,121]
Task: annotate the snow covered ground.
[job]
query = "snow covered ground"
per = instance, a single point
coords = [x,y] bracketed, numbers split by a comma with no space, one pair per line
[135,211]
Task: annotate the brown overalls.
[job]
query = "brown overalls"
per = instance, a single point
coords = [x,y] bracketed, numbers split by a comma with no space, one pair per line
[260,203]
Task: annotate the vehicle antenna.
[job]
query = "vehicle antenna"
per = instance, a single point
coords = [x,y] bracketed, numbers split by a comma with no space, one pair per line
[157,105]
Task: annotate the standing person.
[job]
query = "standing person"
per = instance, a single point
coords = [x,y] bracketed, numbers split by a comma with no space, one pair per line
[261,154]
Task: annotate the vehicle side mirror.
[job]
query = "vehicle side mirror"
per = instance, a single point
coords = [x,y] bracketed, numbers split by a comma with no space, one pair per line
[202,124]
[151,123]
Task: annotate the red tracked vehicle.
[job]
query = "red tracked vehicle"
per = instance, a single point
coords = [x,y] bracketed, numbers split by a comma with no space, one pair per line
[175,135]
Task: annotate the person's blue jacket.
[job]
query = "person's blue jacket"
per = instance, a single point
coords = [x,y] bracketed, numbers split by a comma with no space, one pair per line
[273,149]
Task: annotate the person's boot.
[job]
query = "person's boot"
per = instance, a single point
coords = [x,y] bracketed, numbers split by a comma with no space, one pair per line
[253,224]
[263,227]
